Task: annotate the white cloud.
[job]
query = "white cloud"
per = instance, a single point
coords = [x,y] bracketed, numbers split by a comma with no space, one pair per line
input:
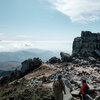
[82,11]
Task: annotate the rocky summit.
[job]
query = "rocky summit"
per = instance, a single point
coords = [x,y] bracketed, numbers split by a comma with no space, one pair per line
[88,45]
[35,79]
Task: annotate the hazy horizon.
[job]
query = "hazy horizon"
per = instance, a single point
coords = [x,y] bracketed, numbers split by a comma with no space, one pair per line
[54,46]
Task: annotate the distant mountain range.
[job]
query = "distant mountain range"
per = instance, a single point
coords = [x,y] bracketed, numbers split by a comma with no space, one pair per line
[12,60]
[25,54]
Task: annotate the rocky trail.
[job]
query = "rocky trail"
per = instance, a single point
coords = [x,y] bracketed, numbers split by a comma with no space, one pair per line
[71,77]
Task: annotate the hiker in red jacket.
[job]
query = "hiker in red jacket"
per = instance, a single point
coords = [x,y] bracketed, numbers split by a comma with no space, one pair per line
[84,90]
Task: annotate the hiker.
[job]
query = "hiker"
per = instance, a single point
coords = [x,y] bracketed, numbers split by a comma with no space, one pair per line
[59,88]
[55,77]
[84,90]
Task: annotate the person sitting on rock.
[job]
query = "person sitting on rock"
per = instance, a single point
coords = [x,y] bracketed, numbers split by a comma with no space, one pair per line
[84,90]
[59,88]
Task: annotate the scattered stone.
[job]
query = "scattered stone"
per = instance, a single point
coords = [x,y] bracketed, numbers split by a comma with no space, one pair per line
[34,83]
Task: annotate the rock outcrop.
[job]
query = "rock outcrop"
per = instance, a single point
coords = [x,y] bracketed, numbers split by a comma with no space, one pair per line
[29,65]
[88,45]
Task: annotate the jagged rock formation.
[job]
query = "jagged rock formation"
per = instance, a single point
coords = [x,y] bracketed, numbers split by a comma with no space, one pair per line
[88,45]
[29,65]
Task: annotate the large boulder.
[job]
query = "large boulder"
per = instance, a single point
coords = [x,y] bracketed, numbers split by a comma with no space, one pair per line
[88,45]
[68,95]
[65,57]
[30,65]
[54,60]
[68,84]
[68,88]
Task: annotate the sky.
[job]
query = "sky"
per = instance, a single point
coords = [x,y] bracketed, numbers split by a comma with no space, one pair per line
[46,24]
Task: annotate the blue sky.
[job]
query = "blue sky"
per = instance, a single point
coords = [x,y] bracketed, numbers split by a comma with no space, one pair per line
[53,23]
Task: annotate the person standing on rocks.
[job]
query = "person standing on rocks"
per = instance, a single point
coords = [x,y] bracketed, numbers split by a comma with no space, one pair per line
[59,88]
[84,90]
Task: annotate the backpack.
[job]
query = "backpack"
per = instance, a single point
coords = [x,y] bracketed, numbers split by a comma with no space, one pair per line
[86,90]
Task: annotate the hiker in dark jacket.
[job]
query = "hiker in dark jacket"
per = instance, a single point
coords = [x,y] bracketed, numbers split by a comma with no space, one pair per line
[59,88]
[84,90]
